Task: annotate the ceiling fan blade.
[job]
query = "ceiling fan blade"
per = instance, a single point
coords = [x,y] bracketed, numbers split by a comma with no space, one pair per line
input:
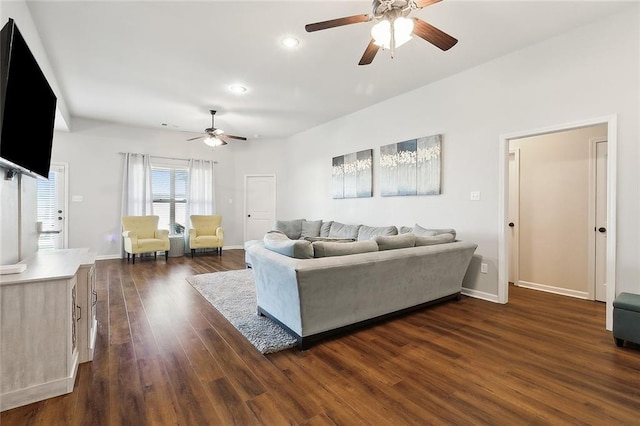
[336,22]
[425,3]
[233,137]
[433,35]
[369,53]
[193,139]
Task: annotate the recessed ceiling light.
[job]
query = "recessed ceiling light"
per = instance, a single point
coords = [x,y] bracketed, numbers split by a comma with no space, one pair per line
[289,42]
[237,88]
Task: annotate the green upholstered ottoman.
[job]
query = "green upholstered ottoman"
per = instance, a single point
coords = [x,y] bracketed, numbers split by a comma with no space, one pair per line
[626,318]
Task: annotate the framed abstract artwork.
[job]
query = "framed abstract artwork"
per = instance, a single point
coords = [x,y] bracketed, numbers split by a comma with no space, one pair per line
[352,175]
[411,167]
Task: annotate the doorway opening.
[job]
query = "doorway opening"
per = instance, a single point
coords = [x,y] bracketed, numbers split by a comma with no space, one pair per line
[505,232]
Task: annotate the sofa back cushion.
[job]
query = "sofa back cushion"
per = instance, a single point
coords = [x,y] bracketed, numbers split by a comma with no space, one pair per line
[277,241]
[392,242]
[328,249]
[311,228]
[436,239]
[291,228]
[341,230]
[369,232]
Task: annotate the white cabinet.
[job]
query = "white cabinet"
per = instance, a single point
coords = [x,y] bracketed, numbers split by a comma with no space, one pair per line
[45,325]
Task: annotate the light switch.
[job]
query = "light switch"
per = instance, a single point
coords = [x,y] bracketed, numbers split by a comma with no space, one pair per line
[76,198]
[475,195]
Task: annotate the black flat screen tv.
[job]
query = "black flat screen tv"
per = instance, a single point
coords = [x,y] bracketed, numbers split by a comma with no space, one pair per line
[28,107]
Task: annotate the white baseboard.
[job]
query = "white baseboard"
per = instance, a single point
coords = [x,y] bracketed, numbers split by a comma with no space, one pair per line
[480,295]
[555,290]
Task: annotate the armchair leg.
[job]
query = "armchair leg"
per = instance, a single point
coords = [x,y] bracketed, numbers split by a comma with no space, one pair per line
[166,255]
[134,259]
[155,255]
[192,252]
[128,257]
[220,251]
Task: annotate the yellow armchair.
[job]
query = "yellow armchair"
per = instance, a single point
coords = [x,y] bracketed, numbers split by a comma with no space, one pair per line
[141,235]
[206,232]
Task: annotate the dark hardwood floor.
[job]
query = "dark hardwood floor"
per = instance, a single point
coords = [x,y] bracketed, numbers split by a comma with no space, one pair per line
[164,356]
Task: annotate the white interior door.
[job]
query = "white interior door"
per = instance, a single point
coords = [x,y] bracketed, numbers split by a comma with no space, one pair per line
[260,205]
[52,209]
[514,214]
[601,222]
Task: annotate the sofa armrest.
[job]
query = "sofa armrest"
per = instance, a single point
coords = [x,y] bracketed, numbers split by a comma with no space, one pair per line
[192,233]
[220,232]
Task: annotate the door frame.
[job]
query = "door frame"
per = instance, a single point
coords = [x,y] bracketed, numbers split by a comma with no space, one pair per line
[503,203]
[246,194]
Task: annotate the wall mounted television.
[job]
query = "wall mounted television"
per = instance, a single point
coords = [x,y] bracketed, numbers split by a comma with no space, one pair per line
[28,108]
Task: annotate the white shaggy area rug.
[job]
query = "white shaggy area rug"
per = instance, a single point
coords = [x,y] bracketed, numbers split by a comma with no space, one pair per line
[233,294]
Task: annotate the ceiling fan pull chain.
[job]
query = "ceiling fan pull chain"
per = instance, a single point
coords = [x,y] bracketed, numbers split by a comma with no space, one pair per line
[392,42]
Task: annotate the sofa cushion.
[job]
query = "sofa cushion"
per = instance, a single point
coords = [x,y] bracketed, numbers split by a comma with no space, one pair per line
[311,228]
[436,239]
[328,249]
[324,229]
[277,241]
[369,232]
[344,231]
[392,242]
[291,228]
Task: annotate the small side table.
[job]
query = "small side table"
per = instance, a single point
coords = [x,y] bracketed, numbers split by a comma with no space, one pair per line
[176,245]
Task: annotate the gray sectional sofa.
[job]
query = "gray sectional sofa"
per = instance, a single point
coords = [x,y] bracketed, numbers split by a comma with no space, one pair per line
[329,282]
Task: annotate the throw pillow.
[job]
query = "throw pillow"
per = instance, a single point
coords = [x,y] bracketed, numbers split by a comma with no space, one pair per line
[369,232]
[424,232]
[324,229]
[344,231]
[328,249]
[406,229]
[280,243]
[311,228]
[392,242]
[436,239]
[329,239]
[291,228]
[419,231]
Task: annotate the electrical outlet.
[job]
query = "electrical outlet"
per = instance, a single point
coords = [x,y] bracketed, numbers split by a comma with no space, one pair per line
[475,196]
[484,268]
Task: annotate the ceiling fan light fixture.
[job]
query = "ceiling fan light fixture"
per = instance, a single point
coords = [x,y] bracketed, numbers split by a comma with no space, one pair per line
[402,28]
[213,141]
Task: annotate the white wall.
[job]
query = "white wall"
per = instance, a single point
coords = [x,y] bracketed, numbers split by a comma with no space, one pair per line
[589,72]
[92,152]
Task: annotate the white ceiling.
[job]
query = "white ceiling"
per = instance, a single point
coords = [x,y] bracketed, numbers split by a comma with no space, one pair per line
[152,62]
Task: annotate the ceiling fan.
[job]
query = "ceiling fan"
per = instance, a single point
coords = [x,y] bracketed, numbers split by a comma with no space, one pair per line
[216,137]
[393,28]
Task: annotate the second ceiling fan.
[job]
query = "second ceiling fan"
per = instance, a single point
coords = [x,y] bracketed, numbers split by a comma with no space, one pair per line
[215,137]
[393,28]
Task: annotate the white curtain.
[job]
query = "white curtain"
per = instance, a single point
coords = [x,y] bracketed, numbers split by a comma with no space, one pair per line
[201,196]
[136,185]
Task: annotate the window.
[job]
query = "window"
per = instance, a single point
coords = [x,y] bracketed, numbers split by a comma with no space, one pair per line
[169,194]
